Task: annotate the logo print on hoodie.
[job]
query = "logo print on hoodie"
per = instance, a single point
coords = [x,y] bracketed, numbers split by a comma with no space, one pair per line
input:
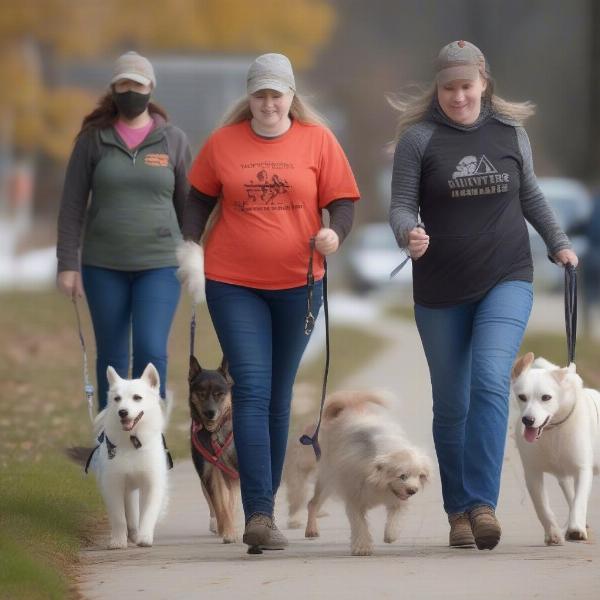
[475,176]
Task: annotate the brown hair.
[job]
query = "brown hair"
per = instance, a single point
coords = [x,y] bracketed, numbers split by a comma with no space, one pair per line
[106,113]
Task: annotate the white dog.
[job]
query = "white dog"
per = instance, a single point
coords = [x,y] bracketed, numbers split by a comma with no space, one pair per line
[131,460]
[367,461]
[190,258]
[560,435]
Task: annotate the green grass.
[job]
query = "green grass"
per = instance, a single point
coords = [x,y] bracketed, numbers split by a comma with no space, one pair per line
[48,508]
[553,347]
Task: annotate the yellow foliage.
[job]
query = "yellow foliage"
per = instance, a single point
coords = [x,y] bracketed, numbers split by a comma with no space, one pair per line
[64,109]
[36,34]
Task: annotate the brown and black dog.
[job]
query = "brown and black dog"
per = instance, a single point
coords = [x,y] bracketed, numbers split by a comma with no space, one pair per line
[213,449]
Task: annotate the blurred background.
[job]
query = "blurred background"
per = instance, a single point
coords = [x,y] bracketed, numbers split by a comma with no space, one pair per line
[56,61]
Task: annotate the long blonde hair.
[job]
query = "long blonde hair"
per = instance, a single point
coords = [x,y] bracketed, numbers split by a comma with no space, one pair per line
[414,107]
[300,110]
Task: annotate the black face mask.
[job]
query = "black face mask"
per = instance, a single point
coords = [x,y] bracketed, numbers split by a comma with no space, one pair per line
[131,104]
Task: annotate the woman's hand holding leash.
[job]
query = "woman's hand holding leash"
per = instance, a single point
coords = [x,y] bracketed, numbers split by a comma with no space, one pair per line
[69,283]
[565,257]
[327,241]
[418,242]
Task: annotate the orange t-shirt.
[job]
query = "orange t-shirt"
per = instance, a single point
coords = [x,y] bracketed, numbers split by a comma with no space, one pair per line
[272,192]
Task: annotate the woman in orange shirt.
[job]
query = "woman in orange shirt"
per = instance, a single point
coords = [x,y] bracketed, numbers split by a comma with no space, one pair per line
[273,167]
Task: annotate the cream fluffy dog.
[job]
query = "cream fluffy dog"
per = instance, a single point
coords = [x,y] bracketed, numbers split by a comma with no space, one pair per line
[367,461]
[559,422]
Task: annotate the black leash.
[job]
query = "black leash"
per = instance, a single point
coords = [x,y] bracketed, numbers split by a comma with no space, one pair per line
[309,324]
[571,310]
[192,330]
[405,252]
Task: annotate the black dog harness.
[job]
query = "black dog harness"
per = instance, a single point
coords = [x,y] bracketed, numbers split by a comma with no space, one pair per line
[111,449]
[207,443]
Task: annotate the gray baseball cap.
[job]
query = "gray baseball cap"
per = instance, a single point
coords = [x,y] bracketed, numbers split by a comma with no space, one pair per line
[459,60]
[271,72]
[135,67]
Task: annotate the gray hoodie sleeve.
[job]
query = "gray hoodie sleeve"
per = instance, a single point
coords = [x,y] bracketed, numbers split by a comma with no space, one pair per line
[73,205]
[535,207]
[182,155]
[406,180]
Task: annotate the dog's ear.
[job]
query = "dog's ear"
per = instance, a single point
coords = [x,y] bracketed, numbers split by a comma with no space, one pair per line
[195,368]
[151,376]
[224,370]
[522,364]
[426,469]
[561,374]
[379,476]
[112,376]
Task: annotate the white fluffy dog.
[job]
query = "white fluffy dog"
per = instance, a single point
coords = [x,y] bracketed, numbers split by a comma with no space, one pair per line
[190,258]
[560,424]
[368,462]
[131,461]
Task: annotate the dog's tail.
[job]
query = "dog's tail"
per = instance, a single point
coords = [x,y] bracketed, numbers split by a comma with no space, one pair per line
[190,258]
[340,402]
[78,454]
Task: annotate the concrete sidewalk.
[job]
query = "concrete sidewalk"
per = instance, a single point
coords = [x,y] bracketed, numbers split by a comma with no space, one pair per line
[188,562]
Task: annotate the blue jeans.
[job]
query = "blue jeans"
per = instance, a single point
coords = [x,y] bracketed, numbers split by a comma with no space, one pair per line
[470,349]
[130,304]
[262,335]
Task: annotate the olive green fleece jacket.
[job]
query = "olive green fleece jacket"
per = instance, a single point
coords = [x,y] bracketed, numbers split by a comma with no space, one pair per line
[122,207]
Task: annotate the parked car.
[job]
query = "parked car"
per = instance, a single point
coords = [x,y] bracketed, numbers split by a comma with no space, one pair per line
[573,204]
[372,253]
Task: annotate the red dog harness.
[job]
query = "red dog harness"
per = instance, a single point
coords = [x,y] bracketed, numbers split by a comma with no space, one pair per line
[208,445]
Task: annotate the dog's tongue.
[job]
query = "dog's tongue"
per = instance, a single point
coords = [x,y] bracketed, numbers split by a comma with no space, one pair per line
[127,424]
[530,434]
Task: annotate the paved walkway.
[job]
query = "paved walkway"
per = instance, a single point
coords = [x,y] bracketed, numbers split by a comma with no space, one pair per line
[187,562]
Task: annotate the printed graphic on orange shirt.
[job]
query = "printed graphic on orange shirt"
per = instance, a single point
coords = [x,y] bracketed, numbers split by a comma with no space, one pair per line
[267,190]
[157,160]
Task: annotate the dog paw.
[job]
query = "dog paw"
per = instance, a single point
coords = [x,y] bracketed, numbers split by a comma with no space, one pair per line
[212,525]
[553,538]
[294,524]
[117,543]
[322,513]
[576,535]
[145,540]
[230,538]
[311,532]
[132,535]
[362,549]
[390,538]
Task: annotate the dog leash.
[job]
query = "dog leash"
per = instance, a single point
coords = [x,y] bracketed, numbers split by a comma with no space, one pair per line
[87,385]
[309,324]
[192,330]
[571,310]
[405,252]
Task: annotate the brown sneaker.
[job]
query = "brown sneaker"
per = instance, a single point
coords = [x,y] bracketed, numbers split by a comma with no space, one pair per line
[486,528]
[262,534]
[461,535]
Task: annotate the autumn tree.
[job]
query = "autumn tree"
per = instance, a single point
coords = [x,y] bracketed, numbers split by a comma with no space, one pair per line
[37,115]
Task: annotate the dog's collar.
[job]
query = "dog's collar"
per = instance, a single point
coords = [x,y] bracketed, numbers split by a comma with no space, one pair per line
[207,444]
[111,449]
[553,425]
